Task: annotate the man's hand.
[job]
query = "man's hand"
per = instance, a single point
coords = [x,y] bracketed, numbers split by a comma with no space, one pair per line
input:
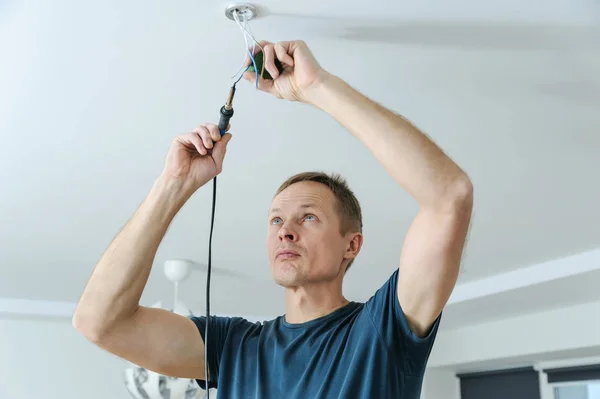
[195,158]
[301,70]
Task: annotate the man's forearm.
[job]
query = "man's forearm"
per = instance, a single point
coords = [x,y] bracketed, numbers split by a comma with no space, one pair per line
[411,158]
[117,283]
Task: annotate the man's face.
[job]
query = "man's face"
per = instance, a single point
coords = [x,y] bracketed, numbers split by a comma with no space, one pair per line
[304,242]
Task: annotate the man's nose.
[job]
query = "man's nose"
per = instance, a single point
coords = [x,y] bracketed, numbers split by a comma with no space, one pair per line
[287,234]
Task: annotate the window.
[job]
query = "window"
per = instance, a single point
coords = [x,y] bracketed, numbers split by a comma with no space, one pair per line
[577,390]
[516,383]
[579,382]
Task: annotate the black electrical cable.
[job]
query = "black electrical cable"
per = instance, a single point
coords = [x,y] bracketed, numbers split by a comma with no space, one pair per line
[212,223]
[226,114]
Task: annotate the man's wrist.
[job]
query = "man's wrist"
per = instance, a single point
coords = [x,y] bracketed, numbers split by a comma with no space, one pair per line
[171,193]
[326,91]
[315,94]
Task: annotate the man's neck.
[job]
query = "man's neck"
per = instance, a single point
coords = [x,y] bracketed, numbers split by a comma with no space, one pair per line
[307,303]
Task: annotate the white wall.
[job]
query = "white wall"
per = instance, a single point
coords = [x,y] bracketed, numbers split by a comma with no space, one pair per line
[533,337]
[440,384]
[565,336]
[49,360]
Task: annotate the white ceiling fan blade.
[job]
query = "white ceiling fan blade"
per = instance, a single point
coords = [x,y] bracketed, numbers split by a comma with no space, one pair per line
[218,271]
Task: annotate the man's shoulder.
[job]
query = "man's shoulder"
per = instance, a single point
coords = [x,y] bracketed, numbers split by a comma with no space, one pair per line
[251,324]
[229,323]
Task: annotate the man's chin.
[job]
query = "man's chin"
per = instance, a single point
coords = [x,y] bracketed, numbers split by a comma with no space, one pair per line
[285,281]
[285,278]
[286,274]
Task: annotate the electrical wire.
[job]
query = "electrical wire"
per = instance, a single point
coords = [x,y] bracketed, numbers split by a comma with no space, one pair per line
[208,273]
[262,71]
[247,46]
[248,31]
[245,56]
[241,75]
[253,52]
[235,16]
[244,27]
[255,69]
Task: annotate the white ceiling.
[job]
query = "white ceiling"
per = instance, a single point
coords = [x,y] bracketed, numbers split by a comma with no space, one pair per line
[91,95]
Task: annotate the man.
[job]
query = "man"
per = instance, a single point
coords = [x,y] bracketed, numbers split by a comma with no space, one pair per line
[324,346]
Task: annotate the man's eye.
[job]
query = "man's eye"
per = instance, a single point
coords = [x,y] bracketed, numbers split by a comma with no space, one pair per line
[275,220]
[311,217]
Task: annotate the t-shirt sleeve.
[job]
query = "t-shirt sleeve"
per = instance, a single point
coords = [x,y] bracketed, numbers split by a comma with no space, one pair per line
[218,329]
[392,326]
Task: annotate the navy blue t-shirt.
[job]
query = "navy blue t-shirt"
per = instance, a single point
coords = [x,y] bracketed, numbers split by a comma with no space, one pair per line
[363,350]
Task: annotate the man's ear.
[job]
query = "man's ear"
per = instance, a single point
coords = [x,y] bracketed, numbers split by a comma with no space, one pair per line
[355,241]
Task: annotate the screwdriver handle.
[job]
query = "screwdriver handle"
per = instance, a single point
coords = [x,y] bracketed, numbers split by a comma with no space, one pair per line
[226,114]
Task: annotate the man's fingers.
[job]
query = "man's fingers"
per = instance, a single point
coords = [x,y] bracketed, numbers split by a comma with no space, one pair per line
[282,54]
[204,134]
[263,44]
[218,152]
[196,141]
[269,59]
[205,139]
[258,49]
[263,84]
[249,76]
[215,133]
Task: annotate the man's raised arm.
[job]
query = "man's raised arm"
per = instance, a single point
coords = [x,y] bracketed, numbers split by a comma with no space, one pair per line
[108,313]
[432,250]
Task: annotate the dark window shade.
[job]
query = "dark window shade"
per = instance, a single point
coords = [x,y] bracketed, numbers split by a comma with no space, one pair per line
[521,383]
[577,373]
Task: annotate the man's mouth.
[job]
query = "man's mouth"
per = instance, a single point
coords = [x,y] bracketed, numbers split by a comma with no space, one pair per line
[287,254]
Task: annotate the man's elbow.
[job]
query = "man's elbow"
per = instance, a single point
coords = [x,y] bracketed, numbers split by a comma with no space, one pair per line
[91,325]
[86,326]
[458,196]
[463,192]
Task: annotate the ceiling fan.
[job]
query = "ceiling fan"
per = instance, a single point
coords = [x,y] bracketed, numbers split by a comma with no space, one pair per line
[178,270]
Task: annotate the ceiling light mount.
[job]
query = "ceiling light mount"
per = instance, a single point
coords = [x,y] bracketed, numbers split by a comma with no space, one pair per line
[244,10]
